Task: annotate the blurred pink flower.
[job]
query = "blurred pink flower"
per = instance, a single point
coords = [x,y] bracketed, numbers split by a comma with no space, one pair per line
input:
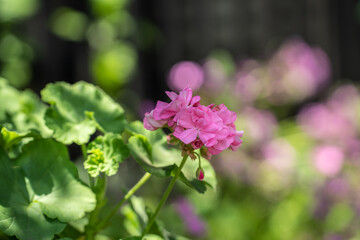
[352,149]
[249,82]
[260,125]
[214,72]
[322,122]
[194,225]
[328,159]
[280,154]
[345,100]
[297,71]
[186,74]
[337,188]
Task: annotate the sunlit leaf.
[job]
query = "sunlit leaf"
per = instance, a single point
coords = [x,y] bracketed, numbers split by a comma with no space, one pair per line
[10,138]
[53,178]
[76,110]
[9,99]
[22,110]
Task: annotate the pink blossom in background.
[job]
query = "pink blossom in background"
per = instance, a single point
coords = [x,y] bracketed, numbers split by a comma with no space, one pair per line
[260,125]
[280,154]
[334,237]
[194,225]
[322,122]
[249,84]
[297,71]
[352,149]
[186,74]
[337,188]
[328,160]
[345,100]
[214,72]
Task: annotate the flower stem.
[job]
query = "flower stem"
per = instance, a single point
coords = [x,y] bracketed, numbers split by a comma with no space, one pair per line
[165,196]
[84,153]
[104,222]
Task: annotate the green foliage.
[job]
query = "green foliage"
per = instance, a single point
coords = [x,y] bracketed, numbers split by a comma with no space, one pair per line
[136,218]
[104,154]
[77,110]
[41,194]
[17,9]
[69,24]
[339,218]
[113,67]
[21,111]
[40,191]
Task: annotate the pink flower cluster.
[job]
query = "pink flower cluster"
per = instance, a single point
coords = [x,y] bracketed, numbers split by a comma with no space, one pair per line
[192,123]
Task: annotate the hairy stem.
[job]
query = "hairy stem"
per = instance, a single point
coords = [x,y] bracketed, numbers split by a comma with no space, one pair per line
[164,197]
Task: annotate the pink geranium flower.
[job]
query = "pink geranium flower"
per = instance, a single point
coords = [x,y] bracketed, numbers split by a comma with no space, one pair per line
[196,125]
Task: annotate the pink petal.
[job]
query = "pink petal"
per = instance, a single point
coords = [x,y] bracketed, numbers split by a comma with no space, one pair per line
[185,121]
[214,151]
[205,137]
[195,100]
[171,95]
[187,136]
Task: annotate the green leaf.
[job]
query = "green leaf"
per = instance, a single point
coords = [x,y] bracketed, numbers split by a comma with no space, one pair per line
[135,215]
[20,214]
[54,181]
[23,109]
[151,151]
[76,110]
[8,98]
[105,153]
[43,185]
[10,138]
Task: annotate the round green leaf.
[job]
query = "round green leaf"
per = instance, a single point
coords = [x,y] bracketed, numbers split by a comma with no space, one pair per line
[78,109]
[20,214]
[54,181]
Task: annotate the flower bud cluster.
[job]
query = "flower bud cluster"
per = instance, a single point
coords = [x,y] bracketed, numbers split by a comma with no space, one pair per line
[194,124]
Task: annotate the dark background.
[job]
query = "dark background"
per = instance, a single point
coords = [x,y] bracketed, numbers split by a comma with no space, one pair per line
[189,30]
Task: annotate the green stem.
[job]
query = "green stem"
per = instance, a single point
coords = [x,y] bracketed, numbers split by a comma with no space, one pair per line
[164,197]
[84,153]
[99,190]
[141,182]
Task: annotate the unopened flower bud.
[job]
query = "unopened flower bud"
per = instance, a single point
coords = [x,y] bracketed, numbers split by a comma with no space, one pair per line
[200,174]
